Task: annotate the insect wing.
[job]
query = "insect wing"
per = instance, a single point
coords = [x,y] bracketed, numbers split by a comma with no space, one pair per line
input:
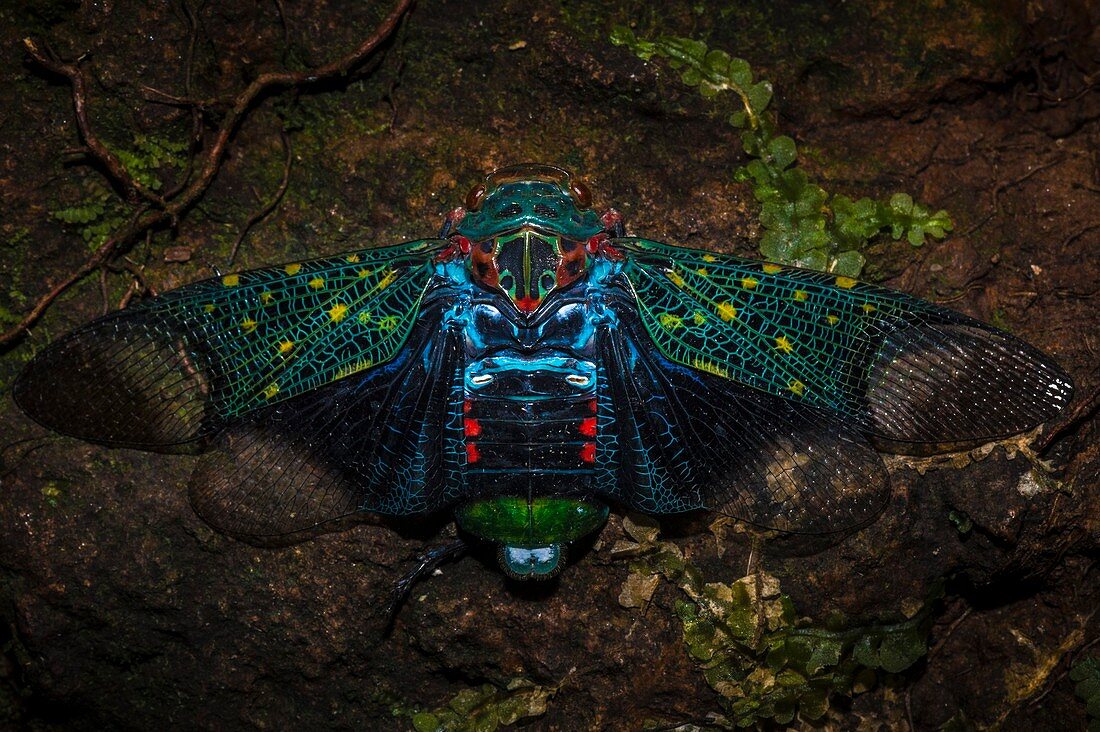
[171,371]
[677,439]
[385,442]
[891,365]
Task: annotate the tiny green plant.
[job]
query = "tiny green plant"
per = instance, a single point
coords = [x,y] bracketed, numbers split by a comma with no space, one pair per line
[1086,675]
[100,212]
[485,708]
[765,662]
[803,225]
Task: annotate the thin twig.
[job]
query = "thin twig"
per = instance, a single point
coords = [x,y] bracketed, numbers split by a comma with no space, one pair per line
[168,211]
[265,83]
[270,205]
[195,141]
[996,204]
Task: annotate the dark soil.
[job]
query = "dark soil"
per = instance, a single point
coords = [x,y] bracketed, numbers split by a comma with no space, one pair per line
[122,610]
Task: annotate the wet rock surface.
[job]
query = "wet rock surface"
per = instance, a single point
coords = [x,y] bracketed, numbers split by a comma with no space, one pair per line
[123,610]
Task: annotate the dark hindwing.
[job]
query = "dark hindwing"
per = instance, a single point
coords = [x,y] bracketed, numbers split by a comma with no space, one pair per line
[173,371]
[385,442]
[679,439]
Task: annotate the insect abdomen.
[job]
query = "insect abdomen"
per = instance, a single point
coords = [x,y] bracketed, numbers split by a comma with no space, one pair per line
[526,417]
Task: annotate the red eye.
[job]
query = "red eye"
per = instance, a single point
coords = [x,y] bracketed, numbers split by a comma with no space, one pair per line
[580,193]
[475,197]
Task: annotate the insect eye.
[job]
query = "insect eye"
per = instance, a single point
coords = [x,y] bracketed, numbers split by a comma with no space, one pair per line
[580,193]
[475,197]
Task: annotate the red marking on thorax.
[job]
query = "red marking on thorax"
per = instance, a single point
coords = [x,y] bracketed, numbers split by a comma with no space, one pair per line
[472,453]
[471,427]
[527,304]
[588,427]
[588,452]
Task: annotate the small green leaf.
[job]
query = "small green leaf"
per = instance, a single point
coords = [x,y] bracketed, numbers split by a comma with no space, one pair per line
[425,722]
[740,74]
[782,151]
[717,63]
[848,264]
[826,652]
[901,204]
[759,95]
[813,260]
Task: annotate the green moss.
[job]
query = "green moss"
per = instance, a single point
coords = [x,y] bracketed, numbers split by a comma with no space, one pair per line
[765,661]
[803,225]
[14,248]
[484,709]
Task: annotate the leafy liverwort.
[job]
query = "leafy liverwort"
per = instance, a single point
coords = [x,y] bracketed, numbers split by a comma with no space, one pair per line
[530,367]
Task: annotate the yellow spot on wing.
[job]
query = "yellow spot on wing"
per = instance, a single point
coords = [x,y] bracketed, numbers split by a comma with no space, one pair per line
[387,279]
[797,387]
[353,258]
[726,311]
[669,321]
[364,272]
[266,298]
[710,367]
[317,283]
[674,278]
[353,368]
[699,318]
[292,269]
[271,391]
[772,268]
[208,308]
[248,325]
[709,258]
[364,317]
[782,343]
[286,346]
[231,280]
[845,282]
[702,272]
[868,308]
[749,283]
[800,295]
[387,323]
[833,320]
[337,312]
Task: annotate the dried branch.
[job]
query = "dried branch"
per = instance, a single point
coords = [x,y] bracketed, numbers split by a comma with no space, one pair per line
[158,211]
[118,173]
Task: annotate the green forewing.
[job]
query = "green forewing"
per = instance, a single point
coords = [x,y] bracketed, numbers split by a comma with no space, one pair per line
[176,368]
[893,365]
